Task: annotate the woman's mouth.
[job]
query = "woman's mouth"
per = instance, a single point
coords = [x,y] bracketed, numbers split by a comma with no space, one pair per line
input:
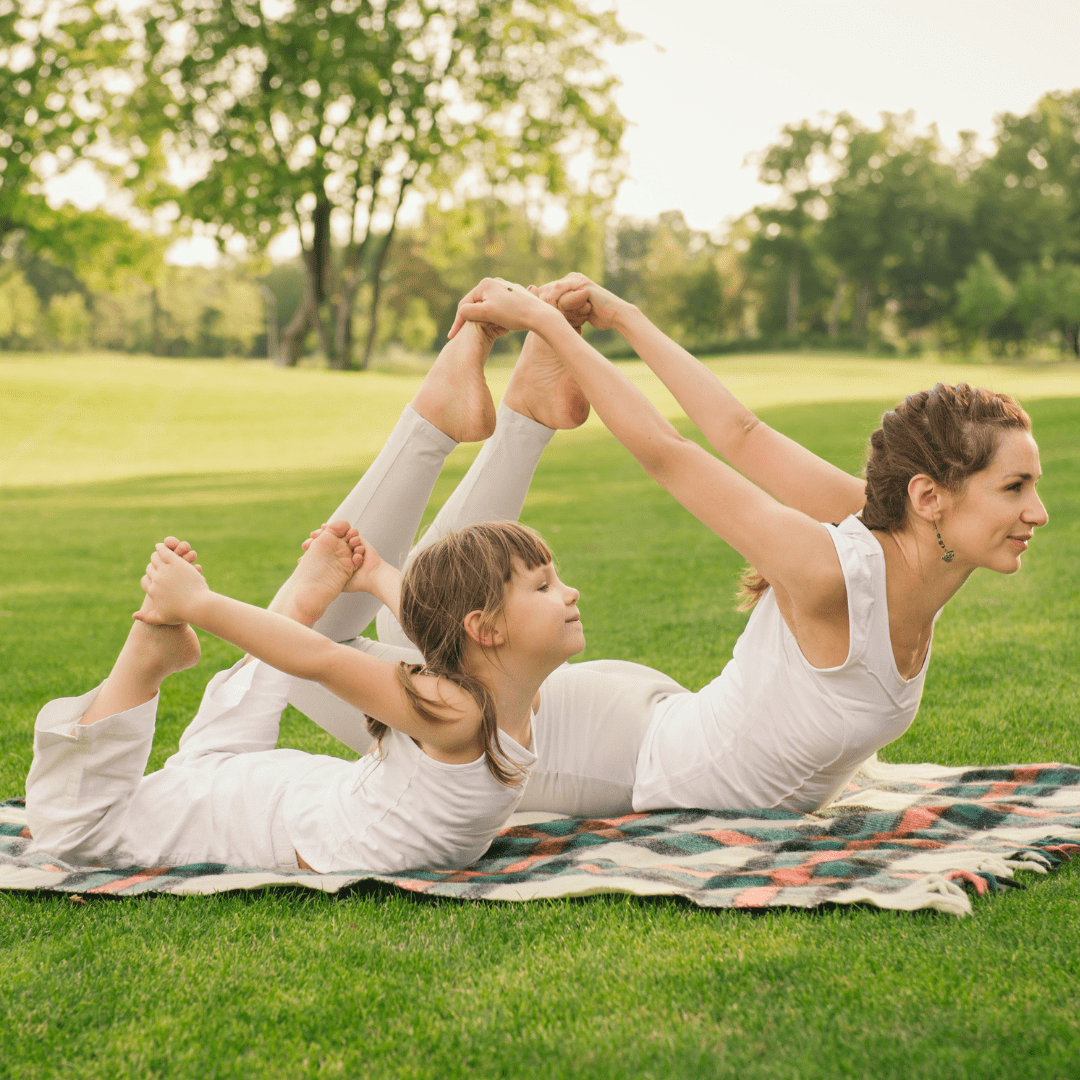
[1020,542]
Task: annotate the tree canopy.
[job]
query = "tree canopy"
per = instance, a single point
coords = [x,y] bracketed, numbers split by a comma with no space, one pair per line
[324,117]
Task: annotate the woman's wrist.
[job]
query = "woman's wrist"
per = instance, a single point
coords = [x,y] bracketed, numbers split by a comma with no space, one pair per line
[386,586]
[546,321]
[628,320]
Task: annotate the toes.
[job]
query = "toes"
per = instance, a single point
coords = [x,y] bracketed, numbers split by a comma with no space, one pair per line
[339,528]
[171,543]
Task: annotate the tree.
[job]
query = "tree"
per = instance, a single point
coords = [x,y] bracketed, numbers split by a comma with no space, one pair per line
[984,295]
[1029,190]
[324,118]
[787,238]
[899,216]
[1048,299]
[65,72]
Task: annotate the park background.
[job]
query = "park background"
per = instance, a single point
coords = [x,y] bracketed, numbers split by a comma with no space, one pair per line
[232,236]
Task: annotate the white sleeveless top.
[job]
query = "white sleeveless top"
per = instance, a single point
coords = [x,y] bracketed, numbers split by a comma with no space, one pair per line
[398,809]
[772,730]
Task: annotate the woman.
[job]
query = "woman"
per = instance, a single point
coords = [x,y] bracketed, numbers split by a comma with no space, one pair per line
[831,665]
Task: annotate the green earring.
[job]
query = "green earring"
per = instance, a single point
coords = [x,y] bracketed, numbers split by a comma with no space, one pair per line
[949,553]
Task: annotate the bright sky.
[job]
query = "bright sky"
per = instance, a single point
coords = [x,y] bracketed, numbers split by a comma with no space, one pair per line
[731,73]
[714,80]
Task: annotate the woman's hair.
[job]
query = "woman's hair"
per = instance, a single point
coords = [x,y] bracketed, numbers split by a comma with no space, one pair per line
[468,570]
[948,433]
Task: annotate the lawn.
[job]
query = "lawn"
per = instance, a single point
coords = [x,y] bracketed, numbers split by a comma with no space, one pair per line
[287,985]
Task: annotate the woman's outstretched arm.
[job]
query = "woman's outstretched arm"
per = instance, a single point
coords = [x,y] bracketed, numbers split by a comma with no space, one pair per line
[788,547]
[786,470]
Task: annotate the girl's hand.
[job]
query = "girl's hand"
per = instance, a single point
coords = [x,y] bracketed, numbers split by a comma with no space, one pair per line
[580,300]
[174,585]
[501,303]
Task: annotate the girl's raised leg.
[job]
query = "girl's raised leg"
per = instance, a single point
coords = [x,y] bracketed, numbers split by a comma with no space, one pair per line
[150,654]
[90,751]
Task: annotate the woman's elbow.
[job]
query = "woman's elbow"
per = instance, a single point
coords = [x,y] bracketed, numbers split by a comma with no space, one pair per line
[664,454]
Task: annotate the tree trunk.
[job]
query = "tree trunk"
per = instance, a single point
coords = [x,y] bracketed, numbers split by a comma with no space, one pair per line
[793,302]
[376,275]
[292,337]
[273,327]
[376,288]
[319,262]
[861,314]
[836,306]
[155,322]
[343,334]
[1071,333]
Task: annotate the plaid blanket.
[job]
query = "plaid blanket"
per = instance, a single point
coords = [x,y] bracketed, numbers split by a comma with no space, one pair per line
[900,836]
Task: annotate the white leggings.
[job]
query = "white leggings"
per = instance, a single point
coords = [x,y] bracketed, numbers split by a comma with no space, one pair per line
[592,716]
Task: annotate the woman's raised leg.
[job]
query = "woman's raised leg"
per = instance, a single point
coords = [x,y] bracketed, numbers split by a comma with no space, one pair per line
[540,398]
[452,405]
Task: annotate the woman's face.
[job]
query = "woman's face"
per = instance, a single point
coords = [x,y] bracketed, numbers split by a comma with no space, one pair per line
[992,521]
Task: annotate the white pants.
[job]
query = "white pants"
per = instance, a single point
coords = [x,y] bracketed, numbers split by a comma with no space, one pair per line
[217,800]
[87,797]
[592,717]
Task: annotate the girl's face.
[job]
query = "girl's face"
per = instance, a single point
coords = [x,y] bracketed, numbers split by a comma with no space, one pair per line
[540,614]
[992,521]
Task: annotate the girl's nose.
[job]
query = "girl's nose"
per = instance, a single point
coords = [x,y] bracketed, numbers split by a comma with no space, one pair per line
[571,595]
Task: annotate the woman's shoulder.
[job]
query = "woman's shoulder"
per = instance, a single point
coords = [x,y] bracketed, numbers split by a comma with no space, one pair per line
[852,533]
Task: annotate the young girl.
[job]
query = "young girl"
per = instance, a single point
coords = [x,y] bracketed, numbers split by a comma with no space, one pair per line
[831,665]
[493,619]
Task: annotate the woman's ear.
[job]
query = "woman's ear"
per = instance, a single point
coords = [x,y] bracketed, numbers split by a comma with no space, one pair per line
[927,497]
[486,637]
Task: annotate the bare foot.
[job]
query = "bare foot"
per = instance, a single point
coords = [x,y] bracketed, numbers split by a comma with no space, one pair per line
[164,647]
[454,395]
[543,390]
[153,651]
[330,558]
[168,647]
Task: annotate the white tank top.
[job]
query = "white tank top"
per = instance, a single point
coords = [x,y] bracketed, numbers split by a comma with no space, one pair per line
[398,810]
[773,731]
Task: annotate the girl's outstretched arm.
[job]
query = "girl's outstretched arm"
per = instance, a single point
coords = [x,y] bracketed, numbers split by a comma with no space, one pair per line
[181,594]
[786,470]
[793,552]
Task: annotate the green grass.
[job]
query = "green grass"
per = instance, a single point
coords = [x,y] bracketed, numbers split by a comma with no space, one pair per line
[76,419]
[287,985]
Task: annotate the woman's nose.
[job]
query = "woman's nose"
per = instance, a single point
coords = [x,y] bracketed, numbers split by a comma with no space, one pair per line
[1036,514]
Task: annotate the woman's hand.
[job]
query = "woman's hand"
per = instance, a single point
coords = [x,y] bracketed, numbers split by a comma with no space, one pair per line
[501,303]
[371,575]
[174,585]
[582,300]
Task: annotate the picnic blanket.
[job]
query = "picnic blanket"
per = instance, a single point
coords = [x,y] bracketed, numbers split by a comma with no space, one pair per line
[900,836]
